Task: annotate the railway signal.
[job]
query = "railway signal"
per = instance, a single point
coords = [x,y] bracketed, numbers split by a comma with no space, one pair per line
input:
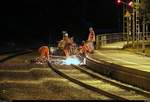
[119,1]
[131,4]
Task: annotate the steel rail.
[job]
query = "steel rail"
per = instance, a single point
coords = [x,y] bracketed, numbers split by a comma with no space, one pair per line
[100,91]
[121,85]
[15,55]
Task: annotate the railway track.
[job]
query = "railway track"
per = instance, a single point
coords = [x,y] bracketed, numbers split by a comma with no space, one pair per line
[97,83]
[16,49]
[93,81]
[27,79]
[15,54]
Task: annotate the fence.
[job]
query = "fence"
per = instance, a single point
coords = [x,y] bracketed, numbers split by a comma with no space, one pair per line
[103,39]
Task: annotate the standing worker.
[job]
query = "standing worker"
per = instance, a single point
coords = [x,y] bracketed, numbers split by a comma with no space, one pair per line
[67,43]
[91,38]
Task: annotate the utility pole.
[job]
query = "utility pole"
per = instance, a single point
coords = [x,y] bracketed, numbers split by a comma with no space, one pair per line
[128,25]
[133,27]
[129,28]
[143,38]
[124,23]
[137,24]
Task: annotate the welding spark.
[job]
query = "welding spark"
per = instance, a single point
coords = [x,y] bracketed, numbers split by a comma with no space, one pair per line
[72,60]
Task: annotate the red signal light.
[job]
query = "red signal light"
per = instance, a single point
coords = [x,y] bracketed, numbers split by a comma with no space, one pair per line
[118,1]
[130,4]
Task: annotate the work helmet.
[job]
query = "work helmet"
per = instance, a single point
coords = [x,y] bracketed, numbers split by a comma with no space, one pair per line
[90,29]
[64,33]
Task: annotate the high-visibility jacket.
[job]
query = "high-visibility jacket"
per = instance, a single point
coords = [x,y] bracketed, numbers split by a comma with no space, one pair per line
[84,49]
[66,51]
[91,37]
[44,51]
[61,44]
[67,47]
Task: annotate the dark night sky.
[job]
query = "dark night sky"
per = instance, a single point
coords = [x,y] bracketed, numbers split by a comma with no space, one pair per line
[36,19]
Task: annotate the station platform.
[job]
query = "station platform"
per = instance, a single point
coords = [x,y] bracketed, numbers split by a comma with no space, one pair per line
[117,45]
[121,65]
[124,58]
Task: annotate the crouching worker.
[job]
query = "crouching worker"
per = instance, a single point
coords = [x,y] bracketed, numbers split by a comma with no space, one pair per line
[44,52]
[84,50]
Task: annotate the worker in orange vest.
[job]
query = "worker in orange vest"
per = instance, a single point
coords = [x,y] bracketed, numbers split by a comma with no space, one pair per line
[91,38]
[84,48]
[67,43]
[44,52]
